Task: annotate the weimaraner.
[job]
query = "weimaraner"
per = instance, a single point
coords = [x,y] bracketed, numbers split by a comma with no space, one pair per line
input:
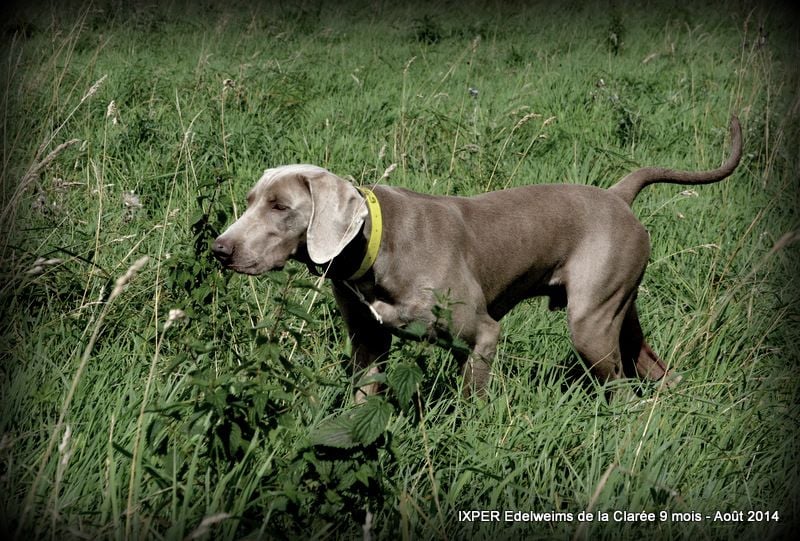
[481,255]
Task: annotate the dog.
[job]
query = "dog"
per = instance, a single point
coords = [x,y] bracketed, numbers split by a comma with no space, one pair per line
[392,256]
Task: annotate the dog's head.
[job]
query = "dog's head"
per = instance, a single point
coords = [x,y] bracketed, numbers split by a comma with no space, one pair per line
[291,208]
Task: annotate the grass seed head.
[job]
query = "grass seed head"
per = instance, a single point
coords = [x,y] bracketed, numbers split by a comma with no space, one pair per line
[94,88]
[123,280]
[389,171]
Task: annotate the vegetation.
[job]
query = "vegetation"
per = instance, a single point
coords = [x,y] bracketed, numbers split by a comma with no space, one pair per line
[146,394]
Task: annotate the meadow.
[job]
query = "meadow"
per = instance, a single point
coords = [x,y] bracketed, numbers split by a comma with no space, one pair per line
[147,394]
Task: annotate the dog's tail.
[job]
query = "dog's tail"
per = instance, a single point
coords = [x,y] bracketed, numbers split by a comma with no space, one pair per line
[630,186]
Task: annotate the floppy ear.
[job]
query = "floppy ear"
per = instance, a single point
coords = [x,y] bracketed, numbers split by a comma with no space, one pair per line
[337,213]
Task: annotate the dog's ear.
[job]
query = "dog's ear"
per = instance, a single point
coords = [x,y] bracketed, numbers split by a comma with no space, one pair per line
[337,214]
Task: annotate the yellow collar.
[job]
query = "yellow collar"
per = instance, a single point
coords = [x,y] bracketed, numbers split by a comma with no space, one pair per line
[374,244]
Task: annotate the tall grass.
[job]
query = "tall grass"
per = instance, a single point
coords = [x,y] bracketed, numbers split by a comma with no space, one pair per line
[188,403]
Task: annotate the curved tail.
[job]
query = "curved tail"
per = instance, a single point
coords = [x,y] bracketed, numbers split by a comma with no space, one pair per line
[630,186]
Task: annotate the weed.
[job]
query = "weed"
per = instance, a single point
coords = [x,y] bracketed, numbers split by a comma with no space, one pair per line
[616,32]
[427,30]
[186,402]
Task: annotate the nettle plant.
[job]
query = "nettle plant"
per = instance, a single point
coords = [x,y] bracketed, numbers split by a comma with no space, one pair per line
[246,392]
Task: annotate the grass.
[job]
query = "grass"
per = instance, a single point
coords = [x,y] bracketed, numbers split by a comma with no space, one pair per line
[123,420]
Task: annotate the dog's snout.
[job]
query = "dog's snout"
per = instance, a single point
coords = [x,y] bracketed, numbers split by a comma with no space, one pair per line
[222,249]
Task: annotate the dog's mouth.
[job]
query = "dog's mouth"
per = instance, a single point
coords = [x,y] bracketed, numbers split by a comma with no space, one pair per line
[253,269]
[244,260]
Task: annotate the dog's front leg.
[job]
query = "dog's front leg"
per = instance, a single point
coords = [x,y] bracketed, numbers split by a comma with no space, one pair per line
[369,341]
[476,368]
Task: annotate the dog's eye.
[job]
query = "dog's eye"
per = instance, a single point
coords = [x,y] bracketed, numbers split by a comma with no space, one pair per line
[279,207]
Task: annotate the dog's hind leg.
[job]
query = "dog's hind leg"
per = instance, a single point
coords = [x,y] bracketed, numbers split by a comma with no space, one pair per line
[595,334]
[638,358]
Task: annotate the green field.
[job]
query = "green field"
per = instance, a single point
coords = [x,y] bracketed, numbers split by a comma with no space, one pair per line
[132,130]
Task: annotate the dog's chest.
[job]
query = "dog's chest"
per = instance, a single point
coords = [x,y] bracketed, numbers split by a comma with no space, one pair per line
[421,315]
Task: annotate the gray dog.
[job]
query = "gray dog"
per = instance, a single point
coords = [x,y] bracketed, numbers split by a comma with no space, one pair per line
[393,255]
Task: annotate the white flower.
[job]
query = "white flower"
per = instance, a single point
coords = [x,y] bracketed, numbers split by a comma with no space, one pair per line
[131,200]
[112,112]
[175,314]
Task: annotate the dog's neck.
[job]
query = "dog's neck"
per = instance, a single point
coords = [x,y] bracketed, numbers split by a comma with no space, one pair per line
[354,263]
[345,263]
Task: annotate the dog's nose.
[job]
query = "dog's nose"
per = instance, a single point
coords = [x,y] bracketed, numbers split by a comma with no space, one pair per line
[222,249]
